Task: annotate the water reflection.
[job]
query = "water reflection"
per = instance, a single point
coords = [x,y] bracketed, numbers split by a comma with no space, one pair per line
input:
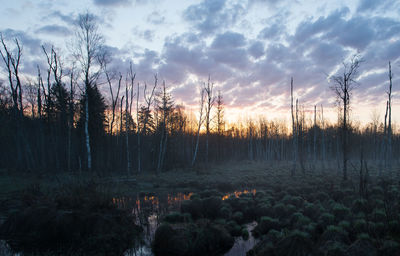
[147,210]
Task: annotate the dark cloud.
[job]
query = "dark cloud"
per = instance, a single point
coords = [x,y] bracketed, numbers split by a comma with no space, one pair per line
[54,30]
[228,40]
[256,49]
[67,18]
[211,16]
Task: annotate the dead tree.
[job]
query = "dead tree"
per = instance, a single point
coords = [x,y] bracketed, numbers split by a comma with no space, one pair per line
[114,100]
[323,136]
[315,135]
[12,63]
[128,118]
[342,87]
[88,50]
[210,103]
[200,122]
[166,109]
[294,129]
[389,128]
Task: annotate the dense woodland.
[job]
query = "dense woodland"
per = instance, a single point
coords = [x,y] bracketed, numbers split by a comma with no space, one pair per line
[61,121]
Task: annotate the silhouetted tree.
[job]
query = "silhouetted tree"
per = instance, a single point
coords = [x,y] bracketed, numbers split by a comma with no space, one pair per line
[342,87]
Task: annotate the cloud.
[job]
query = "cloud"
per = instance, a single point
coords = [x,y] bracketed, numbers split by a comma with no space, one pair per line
[54,30]
[372,5]
[112,3]
[256,49]
[155,18]
[69,19]
[211,16]
[228,40]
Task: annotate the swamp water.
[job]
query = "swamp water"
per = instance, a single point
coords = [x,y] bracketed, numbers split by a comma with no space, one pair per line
[147,211]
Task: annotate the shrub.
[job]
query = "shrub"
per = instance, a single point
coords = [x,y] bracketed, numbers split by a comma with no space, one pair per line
[89,229]
[326,219]
[378,215]
[279,210]
[340,211]
[262,209]
[360,226]
[233,228]
[193,207]
[193,240]
[265,225]
[298,220]
[345,225]
[238,217]
[245,233]
[211,207]
[389,248]
[297,243]
[359,205]
[226,212]
[362,247]
[334,233]
[274,235]
[176,217]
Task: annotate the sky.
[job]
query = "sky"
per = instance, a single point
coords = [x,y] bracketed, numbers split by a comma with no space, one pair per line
[250,48]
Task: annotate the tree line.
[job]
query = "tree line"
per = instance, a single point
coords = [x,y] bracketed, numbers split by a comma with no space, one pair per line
[59,121]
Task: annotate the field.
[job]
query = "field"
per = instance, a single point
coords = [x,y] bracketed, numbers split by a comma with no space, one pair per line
[204,211]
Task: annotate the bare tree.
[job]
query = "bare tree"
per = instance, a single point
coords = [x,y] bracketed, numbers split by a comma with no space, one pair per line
[389,128]
[208,107]
[88,50]
[294,129]
[342,86]
[114,100]
[220,113]
[200,122]
[12,62]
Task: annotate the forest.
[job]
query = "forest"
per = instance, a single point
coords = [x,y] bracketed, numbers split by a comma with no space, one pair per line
[313,187]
